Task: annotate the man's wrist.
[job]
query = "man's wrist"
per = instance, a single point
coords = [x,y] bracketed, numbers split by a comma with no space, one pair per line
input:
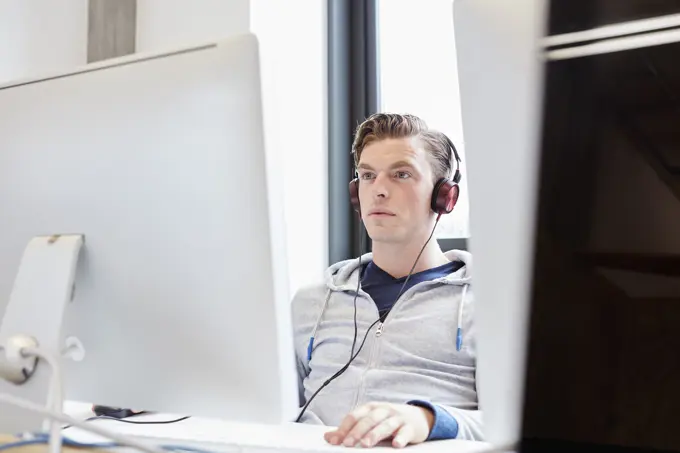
[443,425]
[429,416]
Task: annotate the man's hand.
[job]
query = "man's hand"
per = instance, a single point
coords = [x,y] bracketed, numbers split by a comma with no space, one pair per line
[374,422]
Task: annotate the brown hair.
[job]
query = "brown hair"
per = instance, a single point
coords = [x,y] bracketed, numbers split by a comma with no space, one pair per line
[380,126]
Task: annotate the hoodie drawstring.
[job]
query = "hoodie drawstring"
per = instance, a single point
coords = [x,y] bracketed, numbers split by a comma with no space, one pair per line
[459,330]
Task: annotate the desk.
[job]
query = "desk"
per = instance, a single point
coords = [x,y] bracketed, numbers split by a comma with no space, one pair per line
[227,437]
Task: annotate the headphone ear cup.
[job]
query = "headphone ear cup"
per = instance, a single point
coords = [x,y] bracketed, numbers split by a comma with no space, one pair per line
[354,194]
[444,196]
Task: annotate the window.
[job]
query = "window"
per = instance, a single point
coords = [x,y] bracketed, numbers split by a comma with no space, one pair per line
[418,75]
[293,89]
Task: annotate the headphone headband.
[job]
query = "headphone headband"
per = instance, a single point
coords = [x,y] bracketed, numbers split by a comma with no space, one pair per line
[456,175]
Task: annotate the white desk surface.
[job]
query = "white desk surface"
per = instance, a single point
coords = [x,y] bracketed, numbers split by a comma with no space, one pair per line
[227,437]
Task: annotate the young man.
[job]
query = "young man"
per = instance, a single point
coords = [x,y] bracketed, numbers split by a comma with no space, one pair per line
[414,378]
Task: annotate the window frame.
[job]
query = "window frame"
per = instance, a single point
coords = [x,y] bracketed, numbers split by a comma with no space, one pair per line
[353,94]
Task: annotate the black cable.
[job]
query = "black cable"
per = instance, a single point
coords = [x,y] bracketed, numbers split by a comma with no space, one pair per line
[415,263]
[337,374]
[142,422]
[380,319]
[356,293]
[134,422]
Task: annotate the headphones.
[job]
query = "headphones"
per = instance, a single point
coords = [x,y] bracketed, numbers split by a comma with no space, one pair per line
[444,195]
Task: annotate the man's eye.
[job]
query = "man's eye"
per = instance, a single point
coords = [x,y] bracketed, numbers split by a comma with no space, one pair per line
[366,176]
[402,175]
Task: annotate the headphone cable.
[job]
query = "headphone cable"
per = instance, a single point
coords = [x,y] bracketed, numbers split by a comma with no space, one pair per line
[356,293]
[415,263]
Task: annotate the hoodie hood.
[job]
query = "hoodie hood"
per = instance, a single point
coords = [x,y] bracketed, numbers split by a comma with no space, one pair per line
[343,275]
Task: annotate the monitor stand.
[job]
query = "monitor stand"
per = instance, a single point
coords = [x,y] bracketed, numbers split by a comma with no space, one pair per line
[43,287]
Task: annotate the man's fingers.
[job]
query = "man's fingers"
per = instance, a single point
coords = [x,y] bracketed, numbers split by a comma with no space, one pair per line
[331,437]
[365,424]
[404,436]
[338,436]
[382,431]
[352,418]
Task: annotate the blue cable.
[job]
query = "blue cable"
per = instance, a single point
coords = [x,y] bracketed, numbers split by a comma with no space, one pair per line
[181,448]
[21,443]
[42,438]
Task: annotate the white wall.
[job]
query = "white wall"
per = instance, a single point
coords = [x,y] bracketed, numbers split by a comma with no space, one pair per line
[164,24]
[39,36]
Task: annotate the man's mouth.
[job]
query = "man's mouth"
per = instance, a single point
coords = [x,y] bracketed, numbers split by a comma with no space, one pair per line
[381,213]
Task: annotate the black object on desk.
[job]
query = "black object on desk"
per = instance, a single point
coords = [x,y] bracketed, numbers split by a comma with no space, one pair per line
[115,412]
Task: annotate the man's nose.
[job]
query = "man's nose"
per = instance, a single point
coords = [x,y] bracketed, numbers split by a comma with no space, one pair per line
[380,186]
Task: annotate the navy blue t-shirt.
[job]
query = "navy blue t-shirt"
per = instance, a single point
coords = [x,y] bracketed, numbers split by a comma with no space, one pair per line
[383,288]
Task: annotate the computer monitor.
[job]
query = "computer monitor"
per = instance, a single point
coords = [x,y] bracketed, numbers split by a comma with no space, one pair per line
[573,149]
[500,77]
[180,297]
[606,274]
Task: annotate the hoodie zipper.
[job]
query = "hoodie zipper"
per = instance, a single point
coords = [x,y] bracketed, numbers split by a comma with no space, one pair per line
[369,366]
[381,325]
[371,354]
[374,345]
[379,332]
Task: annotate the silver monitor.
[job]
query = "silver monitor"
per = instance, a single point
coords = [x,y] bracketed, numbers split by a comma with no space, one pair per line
[500,77]
[180,298]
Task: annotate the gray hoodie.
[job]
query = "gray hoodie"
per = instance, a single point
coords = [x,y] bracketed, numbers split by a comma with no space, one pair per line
[414,357]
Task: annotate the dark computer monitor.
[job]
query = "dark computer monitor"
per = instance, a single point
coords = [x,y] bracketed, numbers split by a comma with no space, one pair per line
[603,366]
[573,145]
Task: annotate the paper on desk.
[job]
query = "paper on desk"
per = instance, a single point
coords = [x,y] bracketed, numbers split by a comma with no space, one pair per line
[84,437]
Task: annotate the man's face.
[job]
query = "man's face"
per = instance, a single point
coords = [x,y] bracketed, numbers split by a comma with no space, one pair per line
[395,187]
